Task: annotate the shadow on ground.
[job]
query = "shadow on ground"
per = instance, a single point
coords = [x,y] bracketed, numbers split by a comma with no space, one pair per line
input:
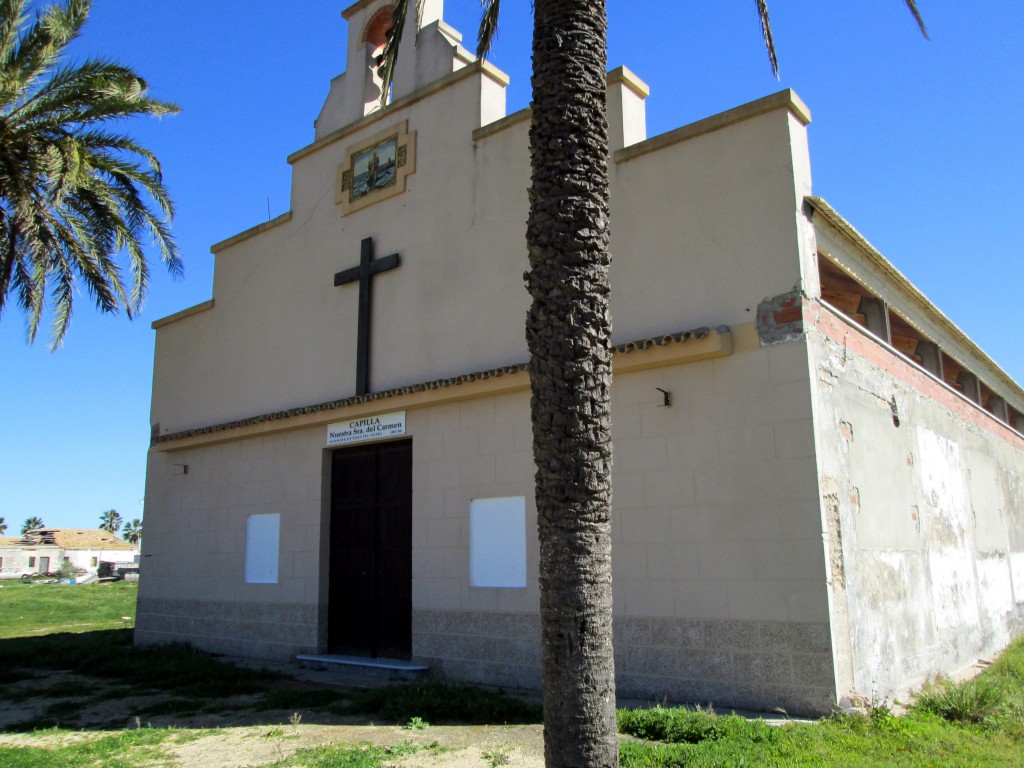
[100,681]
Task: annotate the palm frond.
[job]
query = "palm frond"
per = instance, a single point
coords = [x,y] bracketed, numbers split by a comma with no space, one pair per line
[43,43]
[912,5]
[388,57]
[12,18]
[488,27]
[79,204]
[766,31]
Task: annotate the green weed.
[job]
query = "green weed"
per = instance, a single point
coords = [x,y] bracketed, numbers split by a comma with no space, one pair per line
[973,725]
[126,749]
[440,703]
[362,756]
[975,701]
[410,747]
[497,757]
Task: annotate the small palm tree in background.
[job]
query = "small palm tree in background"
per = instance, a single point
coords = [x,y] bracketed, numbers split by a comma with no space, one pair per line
[74,194]
[132,532]
[3,526]
[110,521]
[32,524]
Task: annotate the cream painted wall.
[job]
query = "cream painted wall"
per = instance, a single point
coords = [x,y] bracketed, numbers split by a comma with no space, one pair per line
[702,229]
[715,511]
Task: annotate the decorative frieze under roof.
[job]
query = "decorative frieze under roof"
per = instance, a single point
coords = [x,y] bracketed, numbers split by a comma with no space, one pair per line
[722,334]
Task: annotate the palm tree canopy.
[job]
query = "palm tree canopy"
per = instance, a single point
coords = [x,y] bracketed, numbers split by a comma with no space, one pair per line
[132,532]
[32,524]
[110,521]
[75,194]
[3,526]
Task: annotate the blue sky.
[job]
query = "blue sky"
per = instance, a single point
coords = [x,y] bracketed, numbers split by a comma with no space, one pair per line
[919,144]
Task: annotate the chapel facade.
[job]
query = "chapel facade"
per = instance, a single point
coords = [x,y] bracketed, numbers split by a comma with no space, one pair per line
[818,478]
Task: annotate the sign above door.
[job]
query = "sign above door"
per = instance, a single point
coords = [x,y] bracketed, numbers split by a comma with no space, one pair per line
[366,428]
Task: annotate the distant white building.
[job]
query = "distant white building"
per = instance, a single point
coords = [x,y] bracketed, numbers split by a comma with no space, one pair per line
[46,549]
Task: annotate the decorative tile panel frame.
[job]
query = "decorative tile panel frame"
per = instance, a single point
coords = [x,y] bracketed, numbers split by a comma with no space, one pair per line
[375,169]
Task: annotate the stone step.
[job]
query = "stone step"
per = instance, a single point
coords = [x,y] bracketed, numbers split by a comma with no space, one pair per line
[361,670]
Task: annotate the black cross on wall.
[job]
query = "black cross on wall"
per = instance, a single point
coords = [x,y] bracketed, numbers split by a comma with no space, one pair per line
[367,268]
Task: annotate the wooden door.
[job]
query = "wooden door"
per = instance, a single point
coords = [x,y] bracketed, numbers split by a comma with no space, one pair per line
[370,582]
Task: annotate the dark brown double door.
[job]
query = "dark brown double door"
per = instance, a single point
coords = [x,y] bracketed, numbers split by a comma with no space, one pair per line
[370,592]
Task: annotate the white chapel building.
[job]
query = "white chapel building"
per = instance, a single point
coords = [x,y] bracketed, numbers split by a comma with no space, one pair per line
[818,478]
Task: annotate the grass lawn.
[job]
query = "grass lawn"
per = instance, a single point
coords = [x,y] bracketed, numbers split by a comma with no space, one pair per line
[974,724]
[69,680]
[34,608]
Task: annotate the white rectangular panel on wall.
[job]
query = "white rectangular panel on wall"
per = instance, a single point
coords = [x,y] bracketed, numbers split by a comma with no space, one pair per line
[497,542]
[262,544]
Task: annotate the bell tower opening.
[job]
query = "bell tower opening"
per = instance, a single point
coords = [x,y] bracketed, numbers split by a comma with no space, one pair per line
[373,38]
[375,33]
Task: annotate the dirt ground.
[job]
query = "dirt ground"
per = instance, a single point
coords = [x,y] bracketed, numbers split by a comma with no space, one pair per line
[469,746]
[243,737]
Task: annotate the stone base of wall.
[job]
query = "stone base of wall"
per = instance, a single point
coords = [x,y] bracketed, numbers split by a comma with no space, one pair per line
[758,665]
[272,631]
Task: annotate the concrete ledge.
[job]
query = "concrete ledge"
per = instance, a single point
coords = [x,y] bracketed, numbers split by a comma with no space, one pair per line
[786,99]
[259,229]
[182,314]
[484,68]
[329,659]
[627,77]
[522,116]
[355,668]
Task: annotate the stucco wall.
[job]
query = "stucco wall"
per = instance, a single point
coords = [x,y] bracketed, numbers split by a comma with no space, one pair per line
[923,496]
[719,574]
[696,222]
[720,591]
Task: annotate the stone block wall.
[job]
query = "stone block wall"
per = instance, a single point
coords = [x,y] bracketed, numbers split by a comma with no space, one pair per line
[274,631]
[727,664]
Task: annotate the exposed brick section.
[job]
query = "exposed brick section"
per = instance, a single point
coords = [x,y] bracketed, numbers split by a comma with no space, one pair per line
[867,347]
[780,319]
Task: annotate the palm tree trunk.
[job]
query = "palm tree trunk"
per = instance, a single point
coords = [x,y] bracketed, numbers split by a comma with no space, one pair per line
[568,333]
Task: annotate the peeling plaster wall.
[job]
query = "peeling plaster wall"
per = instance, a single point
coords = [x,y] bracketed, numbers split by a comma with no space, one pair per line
[923,500]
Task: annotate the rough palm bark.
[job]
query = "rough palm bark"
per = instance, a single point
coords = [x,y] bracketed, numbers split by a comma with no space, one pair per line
[568,332]
[569,337]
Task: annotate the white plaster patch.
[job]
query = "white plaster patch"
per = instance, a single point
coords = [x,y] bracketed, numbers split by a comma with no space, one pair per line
[996,596]
[954,590]
[887,638]
[1017,575]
